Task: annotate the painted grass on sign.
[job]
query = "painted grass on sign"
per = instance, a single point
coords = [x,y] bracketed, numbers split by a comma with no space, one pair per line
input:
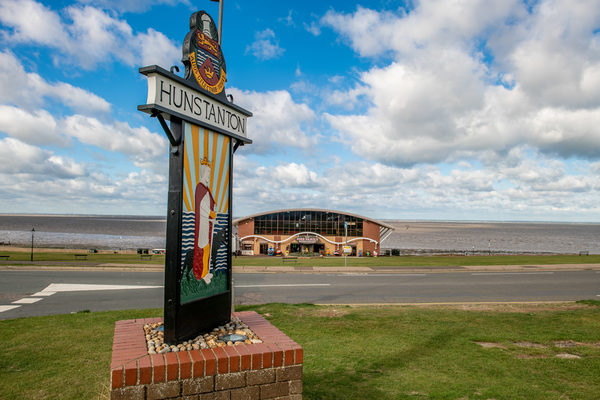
[192,289]
[380,353]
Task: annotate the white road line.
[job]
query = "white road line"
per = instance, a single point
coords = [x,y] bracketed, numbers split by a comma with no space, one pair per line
[43,293]
[284,285]
[511,273]
[375,275]
[6,308]
[75,287]
[27,300]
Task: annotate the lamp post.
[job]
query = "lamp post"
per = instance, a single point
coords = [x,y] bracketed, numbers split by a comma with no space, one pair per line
[346,246]
[32,232]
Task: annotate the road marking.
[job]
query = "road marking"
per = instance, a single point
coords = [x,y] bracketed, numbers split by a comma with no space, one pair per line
[377,274]
[27,300]
[6,308]
[43,293]
[76,287]
[284,285]
[512,273]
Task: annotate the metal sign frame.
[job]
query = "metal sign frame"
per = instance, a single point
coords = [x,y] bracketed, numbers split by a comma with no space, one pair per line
[186,320]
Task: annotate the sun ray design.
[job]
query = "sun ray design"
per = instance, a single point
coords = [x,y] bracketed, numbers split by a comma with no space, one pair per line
[214,148]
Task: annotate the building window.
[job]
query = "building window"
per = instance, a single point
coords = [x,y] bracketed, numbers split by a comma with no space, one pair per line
[321,222]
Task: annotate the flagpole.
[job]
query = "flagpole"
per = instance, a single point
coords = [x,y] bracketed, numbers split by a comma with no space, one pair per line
[220,19]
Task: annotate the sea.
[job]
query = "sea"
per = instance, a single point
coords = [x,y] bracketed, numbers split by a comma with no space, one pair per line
[408,237]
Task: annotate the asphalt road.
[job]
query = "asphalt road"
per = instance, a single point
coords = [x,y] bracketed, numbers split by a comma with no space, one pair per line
[30,293]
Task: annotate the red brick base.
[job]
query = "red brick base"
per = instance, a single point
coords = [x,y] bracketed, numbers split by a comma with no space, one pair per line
[268,370]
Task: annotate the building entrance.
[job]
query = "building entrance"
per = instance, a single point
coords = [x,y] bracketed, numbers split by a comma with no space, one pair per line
[264,248]
[307,248]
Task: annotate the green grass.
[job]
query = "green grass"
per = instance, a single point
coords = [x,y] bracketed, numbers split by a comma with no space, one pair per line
[389,262]
[91,257]
[61,356]
[362,353]
[422,261]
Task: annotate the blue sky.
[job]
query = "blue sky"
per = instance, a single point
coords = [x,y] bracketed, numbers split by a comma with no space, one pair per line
[478,110]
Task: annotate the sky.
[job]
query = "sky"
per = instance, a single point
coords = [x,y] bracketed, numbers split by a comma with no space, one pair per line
[432,109]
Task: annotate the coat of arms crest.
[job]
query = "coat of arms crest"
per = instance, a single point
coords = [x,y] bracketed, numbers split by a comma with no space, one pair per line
[202,55]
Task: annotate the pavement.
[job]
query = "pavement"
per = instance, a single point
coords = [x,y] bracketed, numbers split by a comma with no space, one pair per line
[75,265]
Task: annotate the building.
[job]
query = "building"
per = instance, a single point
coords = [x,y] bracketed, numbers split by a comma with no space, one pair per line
[309,231]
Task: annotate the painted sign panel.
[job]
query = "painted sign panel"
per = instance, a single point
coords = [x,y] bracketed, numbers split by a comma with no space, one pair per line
[206,213]
[176,97]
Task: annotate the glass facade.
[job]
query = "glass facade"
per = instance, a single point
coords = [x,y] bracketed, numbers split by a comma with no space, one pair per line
[322,222]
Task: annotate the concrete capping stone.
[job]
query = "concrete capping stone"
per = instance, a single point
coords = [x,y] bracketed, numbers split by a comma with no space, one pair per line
[268,370]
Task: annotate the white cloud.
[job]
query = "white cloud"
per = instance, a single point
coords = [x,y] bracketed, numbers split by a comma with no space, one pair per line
[18,158]
[265,45]
[28,89]
[472,78]
[277,121]
[32,21]
[157,49]
[529,188]
[90,37]
[295,174]
[289,19]
[145,149]
[131,5]
[37,127]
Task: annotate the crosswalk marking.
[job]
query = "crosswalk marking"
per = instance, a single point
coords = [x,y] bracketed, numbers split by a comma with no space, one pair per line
[27,300]
[6,308]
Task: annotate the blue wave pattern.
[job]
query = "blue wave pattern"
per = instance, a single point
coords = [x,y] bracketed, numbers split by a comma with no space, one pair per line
[187,241]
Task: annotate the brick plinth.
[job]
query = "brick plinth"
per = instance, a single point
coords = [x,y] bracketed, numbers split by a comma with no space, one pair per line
[268,370]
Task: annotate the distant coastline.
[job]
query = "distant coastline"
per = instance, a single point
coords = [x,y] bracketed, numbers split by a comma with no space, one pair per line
[410,237]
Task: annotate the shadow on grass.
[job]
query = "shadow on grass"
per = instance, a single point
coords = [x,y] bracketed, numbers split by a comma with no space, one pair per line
[370,378]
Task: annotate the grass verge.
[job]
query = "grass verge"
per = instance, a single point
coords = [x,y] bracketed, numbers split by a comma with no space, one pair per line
[422,261]
[92,258]
[388,352]
[390,262]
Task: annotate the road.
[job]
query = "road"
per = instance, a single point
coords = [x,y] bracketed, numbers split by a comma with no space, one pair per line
[42,292]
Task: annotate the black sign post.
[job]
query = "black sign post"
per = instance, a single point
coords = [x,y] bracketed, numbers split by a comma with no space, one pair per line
[205,130]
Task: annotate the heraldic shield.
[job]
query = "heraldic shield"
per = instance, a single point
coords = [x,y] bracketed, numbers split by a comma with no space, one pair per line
[202,55]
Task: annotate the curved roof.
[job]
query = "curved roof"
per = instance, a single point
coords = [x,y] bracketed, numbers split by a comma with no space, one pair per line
[238,220]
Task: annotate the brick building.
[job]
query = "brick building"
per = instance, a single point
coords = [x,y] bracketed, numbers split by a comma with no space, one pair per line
[301,231]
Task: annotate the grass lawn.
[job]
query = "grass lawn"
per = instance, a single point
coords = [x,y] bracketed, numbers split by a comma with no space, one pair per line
[390,262]
[422,261]
[389,352]
[40,256]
